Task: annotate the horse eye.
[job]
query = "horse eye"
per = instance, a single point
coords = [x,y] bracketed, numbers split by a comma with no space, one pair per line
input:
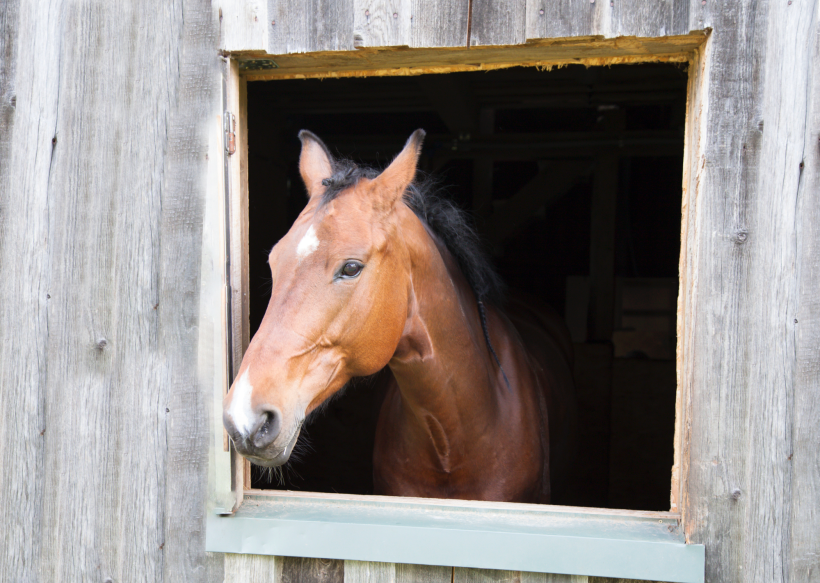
[351,269]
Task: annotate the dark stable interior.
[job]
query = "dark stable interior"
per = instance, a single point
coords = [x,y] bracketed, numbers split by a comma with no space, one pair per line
[573,177]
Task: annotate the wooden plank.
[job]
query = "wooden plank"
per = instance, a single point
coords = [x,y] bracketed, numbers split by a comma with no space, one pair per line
[745,261]
[243,26]
[413,23]
[552,578]
[775,238]
[602,247]
[642,19]
[109,445]
[804,536]
[375,26]
[304,570]
[423,574]
[369,572]
[24,291]
[237,102]
[462,575]
[250,25]
[545,19]
[178,250]
[310,25]
[439,23]
[498,23]
[252,569]
[608,18]
[602,232]
[542,53]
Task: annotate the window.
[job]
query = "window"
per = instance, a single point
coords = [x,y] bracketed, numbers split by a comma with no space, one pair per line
[616,137]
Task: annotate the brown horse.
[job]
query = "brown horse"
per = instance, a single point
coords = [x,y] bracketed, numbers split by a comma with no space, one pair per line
[377,272]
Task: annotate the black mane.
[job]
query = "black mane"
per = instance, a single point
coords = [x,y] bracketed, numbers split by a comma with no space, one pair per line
[450,224]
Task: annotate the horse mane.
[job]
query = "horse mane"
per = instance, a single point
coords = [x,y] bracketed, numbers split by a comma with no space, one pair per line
[448,222]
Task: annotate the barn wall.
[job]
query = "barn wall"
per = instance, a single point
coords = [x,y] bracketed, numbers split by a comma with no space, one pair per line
[752,476]
[103,108]
[102,163]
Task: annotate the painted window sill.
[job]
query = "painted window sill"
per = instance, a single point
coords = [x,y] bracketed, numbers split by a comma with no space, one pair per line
[549,539]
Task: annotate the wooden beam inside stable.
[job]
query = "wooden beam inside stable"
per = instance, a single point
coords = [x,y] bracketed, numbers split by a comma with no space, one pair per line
[602,235]
[483,169]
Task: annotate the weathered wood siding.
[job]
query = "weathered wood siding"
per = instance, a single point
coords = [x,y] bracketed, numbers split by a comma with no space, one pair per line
[103,108]
[102,165]
[752,292]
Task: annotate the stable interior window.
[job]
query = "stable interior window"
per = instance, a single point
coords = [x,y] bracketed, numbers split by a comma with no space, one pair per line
[573,177]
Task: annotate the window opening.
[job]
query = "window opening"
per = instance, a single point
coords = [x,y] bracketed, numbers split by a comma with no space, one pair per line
[603,251]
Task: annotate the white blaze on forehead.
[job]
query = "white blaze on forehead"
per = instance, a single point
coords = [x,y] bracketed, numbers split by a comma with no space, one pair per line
[308,244]
[240,410]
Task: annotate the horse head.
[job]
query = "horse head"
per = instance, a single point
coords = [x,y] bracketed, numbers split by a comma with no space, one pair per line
[338,305]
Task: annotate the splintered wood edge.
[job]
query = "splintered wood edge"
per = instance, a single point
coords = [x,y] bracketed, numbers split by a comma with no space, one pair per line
[545,55]
[602,52]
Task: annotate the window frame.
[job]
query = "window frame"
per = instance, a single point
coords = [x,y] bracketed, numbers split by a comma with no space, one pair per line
[577,541]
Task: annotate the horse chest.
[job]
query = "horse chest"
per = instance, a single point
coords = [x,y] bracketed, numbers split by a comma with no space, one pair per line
[424,459]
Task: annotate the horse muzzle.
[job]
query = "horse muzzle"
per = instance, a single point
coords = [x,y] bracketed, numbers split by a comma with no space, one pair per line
[263,444]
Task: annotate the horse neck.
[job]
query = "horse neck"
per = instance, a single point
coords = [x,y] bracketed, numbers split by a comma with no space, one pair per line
[442,362]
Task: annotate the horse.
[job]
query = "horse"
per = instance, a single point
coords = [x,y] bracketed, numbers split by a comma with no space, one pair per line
[379,273]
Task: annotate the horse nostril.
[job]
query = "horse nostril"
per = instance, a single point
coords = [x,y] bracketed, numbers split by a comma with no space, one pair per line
[267,431]
[230,427]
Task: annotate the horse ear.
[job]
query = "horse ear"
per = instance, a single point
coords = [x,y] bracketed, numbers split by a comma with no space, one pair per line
[391,184]
[315,162]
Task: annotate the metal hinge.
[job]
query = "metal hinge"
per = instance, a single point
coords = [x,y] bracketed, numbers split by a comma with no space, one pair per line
[229,125]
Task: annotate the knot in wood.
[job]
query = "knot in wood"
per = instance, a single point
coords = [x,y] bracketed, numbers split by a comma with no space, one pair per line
[101,343]
[740,237]
[736,493]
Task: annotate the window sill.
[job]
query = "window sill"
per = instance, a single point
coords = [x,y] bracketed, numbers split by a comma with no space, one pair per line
[549,539]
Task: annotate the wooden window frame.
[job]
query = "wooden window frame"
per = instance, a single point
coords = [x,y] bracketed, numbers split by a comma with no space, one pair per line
[554,539]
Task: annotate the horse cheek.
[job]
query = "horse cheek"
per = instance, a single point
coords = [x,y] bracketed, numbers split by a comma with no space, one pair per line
[379,336]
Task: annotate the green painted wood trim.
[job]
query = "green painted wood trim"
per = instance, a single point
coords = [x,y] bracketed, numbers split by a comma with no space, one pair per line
[547,539]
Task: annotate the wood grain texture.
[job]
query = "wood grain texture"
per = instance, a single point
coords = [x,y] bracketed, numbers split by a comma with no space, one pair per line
[310,25]
[547,19]
[24,230]
[303,570]
[286,26]
[462,575]
[746,249]
[104,454]
[412,23]
[252,569]
[552,578]
[607,18]
[804,538]
[423,574]
[498,23]
[237,104]
[369,572]
[243,26]
[194,80]
[375,26]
